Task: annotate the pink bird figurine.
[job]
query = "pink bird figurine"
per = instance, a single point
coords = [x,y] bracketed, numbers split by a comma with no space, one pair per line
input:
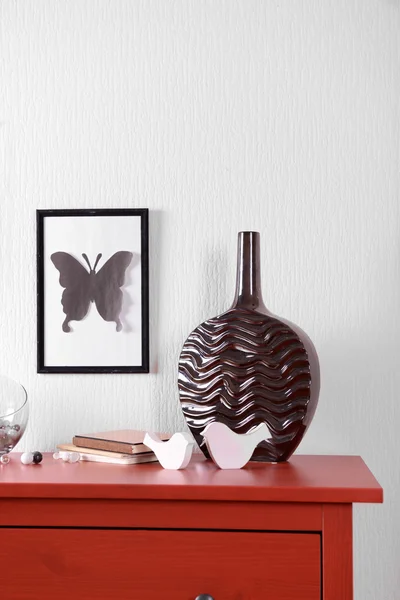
[173,454]
[230,450]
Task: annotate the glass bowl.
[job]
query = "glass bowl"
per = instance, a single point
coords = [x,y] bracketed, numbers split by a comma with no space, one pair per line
[13,415]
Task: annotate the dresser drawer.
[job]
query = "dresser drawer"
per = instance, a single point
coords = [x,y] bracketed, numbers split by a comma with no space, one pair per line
[101,564]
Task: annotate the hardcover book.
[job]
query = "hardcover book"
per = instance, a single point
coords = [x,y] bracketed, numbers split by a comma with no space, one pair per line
[129,459]
[125,441]
[105,453]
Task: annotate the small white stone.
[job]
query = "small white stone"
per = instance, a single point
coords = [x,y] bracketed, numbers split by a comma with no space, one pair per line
[70,457]
[13,434]
[73,457]
[27,458]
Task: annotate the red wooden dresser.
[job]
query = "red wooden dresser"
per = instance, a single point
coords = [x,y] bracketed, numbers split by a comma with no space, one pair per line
[92,531]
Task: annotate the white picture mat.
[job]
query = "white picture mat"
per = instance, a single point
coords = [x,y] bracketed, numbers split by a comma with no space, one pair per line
[92,342]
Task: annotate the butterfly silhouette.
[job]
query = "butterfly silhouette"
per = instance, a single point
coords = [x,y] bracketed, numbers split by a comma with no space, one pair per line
[83,287]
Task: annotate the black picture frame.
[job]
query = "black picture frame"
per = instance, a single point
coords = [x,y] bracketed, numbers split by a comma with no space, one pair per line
[41,216]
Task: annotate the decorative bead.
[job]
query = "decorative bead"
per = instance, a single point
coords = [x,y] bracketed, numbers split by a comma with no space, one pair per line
[16,427]
[4,459]
[37,458]
[27,458]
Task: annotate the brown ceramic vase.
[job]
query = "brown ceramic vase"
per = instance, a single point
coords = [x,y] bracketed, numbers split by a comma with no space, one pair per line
[247,367]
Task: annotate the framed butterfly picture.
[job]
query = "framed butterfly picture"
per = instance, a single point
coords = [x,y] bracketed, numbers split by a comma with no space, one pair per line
[93,291]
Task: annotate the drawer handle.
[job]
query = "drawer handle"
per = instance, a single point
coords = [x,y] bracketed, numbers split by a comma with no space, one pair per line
[204,597]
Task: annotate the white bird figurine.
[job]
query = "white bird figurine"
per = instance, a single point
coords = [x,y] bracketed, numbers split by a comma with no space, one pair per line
[175,453]
[230,450]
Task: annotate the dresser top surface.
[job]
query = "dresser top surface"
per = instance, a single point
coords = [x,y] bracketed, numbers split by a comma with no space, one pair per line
[303,479]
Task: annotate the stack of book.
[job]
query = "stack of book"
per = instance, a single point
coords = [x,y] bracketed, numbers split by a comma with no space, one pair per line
[120,447]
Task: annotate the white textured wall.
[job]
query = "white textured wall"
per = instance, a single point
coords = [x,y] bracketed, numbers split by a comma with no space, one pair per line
[219,115]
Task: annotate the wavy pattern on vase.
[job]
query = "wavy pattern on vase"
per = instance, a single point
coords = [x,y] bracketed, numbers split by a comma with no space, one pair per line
[243,368]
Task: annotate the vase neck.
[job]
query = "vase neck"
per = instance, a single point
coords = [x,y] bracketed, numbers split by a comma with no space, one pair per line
[248,279]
